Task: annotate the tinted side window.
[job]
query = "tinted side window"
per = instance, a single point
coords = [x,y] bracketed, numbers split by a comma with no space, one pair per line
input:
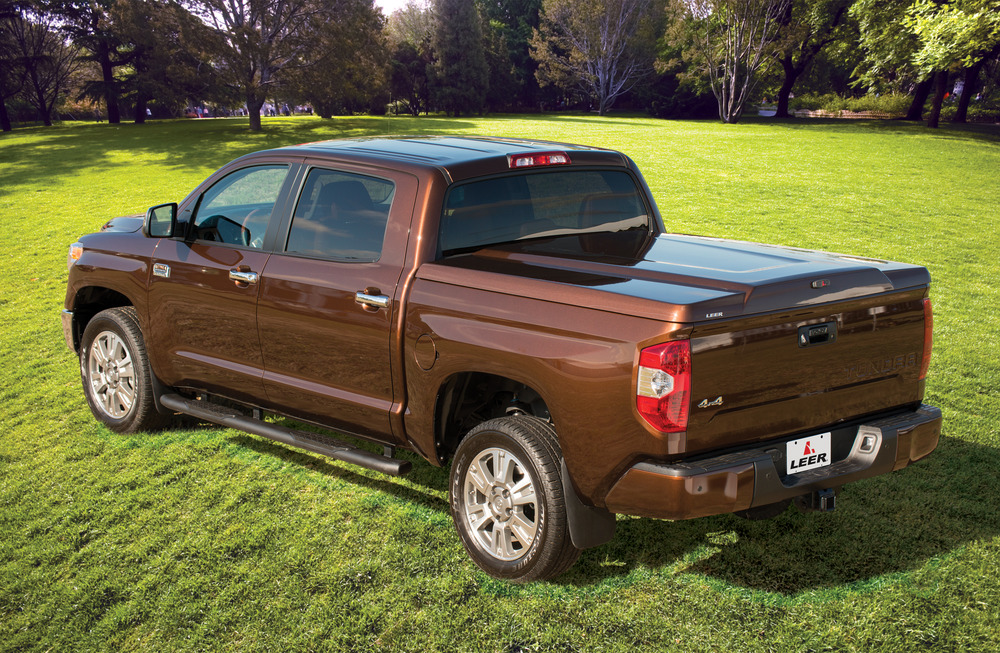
[340,215]
[237,208]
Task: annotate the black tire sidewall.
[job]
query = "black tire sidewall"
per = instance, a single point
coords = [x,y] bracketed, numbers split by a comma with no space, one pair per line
[471,446]
[111,320]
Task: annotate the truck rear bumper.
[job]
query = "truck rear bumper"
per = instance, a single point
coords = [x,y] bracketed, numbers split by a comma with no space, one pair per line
[755,477]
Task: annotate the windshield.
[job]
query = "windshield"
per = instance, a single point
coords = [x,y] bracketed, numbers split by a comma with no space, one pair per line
[540,204]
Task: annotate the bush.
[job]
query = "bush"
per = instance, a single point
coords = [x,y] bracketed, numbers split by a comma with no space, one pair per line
[892,103]
[976,113]
[815,102]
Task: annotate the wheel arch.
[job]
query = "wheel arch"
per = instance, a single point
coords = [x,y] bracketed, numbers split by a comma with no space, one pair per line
[88,302]
[465,399]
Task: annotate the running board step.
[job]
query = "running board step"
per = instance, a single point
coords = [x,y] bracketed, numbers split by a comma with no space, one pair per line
[321,444]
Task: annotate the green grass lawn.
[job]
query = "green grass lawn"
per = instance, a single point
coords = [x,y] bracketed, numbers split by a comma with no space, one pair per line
[211,539]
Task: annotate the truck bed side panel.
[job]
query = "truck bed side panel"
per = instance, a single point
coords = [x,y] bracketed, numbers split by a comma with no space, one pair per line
[580,360]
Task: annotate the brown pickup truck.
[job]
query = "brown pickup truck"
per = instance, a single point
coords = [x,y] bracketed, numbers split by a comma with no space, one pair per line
[516,308]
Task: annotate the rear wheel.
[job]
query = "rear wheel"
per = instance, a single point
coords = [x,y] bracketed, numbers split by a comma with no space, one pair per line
[507,500]
[115,372]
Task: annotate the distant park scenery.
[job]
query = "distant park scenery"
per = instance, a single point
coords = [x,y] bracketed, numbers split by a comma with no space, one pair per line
[136,60]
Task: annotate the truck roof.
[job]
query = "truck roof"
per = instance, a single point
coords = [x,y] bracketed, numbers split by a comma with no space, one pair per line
[459,157]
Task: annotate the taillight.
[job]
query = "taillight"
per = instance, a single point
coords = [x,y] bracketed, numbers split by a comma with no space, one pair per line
[539,159]
[664,385]
[928,338]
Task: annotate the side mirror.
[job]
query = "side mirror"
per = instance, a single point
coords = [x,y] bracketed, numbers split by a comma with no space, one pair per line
[160,221]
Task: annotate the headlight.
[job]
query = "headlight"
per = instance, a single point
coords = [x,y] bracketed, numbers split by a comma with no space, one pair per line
[75,252]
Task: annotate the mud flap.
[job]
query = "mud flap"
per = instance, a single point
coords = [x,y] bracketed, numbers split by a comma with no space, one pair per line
[589,526]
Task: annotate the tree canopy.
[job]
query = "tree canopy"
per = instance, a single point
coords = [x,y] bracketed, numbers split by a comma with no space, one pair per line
[132,58]
[594,46]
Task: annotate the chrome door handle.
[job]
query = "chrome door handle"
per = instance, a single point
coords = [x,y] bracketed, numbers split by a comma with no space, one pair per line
[371,301]
[243,277]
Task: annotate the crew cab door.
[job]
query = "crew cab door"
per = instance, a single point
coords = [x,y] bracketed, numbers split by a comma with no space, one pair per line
[205,283]
[328,298]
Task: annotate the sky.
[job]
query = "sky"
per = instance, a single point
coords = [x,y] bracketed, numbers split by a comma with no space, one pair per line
[389,6]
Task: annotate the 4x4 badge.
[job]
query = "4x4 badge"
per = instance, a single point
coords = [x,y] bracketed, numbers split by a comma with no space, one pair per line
[705,403]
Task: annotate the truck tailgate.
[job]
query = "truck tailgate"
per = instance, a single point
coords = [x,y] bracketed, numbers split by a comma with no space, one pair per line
[804,369]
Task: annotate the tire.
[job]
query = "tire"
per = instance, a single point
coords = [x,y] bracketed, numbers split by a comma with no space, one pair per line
[515,527]
[115,371]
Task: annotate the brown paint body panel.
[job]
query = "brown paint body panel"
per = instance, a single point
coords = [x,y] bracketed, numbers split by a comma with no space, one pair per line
[202,326]
[646,493]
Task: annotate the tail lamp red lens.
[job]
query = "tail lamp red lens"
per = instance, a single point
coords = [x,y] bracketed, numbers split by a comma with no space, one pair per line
[664,385]
[928,337]
[539,159]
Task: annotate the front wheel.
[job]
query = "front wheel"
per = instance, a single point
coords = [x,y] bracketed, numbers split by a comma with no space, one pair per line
[507,501]
[115,372]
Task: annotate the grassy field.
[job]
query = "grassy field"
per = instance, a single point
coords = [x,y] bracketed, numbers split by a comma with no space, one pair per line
[210,539]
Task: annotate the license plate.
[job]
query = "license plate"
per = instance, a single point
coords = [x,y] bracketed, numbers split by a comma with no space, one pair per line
[808,453]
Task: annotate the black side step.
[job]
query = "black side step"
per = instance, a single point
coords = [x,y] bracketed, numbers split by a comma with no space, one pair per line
[321,444]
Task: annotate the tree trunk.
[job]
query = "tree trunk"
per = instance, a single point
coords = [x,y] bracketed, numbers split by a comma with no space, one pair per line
[140,108]
[786,87]
[941,79]
[920,94]
[253,109]
[4,116]
[971,77]
[39,98]
[110,94]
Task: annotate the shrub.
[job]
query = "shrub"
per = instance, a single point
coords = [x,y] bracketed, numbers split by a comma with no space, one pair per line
[976,113]
[892,104]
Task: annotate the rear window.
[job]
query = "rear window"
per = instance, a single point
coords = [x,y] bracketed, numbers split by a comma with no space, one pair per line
[536,205]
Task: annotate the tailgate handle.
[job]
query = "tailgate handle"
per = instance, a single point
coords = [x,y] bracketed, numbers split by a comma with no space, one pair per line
[817,334]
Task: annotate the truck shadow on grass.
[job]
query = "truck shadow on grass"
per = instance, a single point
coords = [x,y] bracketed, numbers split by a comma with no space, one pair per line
[435,479]
[882,526]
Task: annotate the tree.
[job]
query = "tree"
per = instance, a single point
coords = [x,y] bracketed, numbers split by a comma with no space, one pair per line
[502,87]
[414,23]
[953,36]
[10,76]
[345,66]
[257,40]
[461,72]
[163,43]
[807,27]
[46,60]
[410,32]
[888,51]
[920,43]
[89,25]
[512,23]
[730,41]
[600,47]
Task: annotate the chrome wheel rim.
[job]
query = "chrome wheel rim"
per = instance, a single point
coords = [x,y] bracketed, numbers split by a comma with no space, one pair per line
[111,374]
[501,507]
